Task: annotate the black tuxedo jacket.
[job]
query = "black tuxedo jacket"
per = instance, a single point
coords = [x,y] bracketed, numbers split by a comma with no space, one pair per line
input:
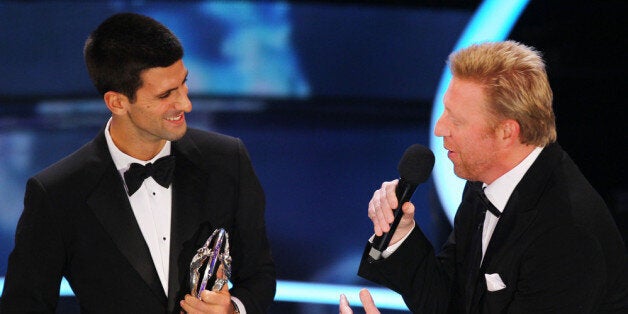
[555,247]
[78,223]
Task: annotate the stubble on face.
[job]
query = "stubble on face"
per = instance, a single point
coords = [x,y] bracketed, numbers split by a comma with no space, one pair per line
[165,100]
[158,113]
[476,158]
[466,131]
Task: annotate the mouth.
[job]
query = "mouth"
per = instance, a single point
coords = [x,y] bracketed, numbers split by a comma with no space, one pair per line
[178,117]
[450,152]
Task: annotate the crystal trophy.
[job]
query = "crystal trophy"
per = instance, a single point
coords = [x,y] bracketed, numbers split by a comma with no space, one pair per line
[214,261]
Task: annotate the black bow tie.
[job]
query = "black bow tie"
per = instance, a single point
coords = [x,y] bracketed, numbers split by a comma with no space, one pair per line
[487,204]
[162,171]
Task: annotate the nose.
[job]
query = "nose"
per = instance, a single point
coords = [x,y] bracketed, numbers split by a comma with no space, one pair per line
[440,129]
[183,102]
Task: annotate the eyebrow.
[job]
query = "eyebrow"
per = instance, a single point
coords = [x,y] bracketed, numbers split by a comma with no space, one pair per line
[165,93]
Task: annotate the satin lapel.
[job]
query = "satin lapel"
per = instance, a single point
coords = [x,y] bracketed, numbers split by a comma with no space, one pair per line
[189,198]
[512,224]
[111,205]
[474,253]
[520,211]
[516,218]
[521,208]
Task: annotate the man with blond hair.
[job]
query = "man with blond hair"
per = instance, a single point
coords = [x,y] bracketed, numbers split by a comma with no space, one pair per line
[531,234]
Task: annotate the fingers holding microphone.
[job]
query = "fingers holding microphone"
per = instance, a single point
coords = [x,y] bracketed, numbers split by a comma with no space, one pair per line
[381,207]
[414,168]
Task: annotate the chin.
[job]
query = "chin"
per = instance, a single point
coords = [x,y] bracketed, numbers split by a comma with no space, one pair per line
[462,174]
[176,136]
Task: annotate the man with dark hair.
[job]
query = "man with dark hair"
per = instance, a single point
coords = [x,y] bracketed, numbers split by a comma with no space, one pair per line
[125,245]
[531,235]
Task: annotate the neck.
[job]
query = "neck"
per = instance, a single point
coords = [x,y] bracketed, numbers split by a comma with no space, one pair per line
[132,145]
[510,158]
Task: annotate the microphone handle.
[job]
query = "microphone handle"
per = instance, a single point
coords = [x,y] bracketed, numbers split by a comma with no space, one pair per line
[404,192]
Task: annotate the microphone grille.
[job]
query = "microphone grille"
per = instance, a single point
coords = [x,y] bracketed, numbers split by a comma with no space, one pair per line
[416,164]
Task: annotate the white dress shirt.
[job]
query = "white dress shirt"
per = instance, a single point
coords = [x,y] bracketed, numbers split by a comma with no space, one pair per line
[152,207]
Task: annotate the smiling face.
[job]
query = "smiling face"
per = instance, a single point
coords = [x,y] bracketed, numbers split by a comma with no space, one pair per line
[141,128]
[467,134]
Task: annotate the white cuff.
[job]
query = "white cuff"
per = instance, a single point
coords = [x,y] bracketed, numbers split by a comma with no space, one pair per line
[392,248]
[241,307]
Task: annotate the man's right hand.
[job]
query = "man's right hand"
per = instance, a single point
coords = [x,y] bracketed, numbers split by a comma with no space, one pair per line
[380,211]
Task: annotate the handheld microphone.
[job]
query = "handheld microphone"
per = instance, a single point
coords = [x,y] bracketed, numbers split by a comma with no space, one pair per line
[414,168]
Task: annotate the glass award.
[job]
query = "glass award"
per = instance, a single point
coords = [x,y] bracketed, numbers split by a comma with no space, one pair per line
[213,261]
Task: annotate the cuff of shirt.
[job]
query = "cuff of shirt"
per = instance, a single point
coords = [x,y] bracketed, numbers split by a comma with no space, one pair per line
[240,305]
[392,248]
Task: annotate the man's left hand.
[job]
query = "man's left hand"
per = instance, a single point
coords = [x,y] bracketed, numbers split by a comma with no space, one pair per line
[365,298]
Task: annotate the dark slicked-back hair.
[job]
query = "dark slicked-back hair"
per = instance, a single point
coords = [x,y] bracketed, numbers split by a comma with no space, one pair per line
[123,46]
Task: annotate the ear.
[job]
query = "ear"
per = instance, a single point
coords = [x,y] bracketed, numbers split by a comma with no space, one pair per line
[509,131]
[116,102]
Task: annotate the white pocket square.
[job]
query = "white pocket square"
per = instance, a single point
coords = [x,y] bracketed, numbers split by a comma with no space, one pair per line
[494,282]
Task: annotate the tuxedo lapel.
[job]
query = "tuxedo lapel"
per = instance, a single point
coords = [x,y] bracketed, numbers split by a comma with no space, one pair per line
[189,199]
[519,213]
[474,252]
[520,210]
[111,206]
[511,225]
[515,219]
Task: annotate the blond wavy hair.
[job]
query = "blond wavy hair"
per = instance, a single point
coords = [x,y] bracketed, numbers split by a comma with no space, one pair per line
[515,83]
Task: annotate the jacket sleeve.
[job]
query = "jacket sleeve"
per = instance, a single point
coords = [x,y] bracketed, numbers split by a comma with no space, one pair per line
[423,279]
[35,266]
[428,282]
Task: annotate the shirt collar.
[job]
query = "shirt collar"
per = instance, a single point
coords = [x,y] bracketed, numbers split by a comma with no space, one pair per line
[500,190]
[124,161]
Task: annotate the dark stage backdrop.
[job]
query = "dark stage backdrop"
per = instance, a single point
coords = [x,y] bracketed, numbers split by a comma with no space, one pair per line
[325,95]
